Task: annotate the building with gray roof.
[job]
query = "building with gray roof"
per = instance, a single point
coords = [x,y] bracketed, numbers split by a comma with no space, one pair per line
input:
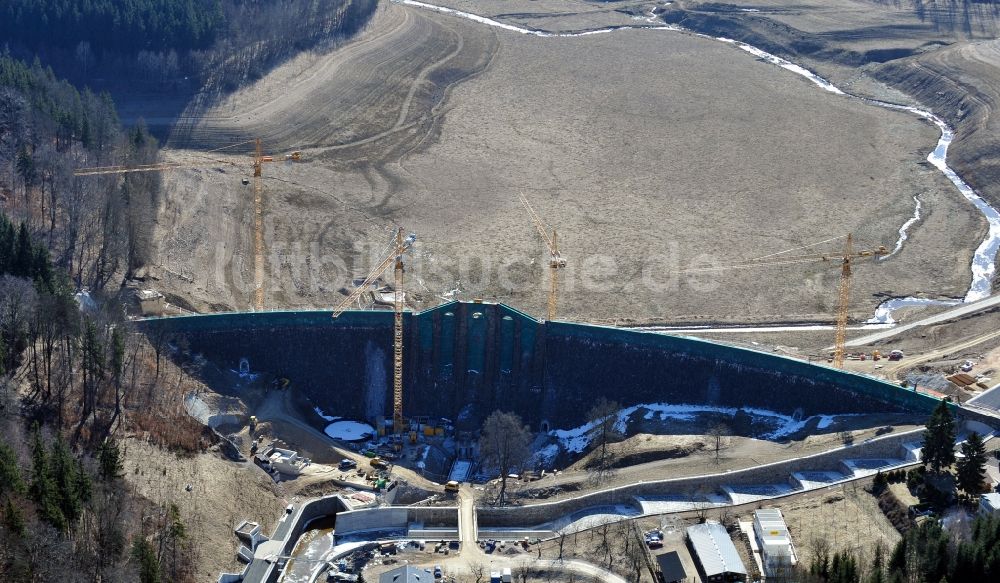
[714,553]
[407,574]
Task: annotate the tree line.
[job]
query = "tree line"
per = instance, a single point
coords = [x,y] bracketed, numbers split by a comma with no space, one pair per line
[968,550]
[73,378]
[112,24]
[961,548]
[190,45]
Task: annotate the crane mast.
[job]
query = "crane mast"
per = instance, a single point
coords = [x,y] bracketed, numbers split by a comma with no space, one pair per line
[843,304]
[556,262]
[394,258]
[846,260]
[258,224]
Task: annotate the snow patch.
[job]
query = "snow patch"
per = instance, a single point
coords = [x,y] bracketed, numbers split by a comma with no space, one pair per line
[349,430]
[577,439]
[547,454]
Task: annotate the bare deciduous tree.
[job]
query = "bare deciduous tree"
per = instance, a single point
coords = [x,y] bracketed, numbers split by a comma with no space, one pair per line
[505,444]
[604,418]
[719,434]
[478,570]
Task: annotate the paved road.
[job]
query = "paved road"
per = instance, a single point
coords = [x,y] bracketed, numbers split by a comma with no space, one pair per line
[956,312]
[467,518]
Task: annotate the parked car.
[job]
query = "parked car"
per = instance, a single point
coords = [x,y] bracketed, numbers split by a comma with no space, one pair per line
[347,464]
[437,572]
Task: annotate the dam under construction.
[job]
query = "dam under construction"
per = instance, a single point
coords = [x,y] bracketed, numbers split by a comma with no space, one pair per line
[464,360]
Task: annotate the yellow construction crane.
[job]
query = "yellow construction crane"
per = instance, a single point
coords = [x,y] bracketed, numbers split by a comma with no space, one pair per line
[845,258]
[397,248]
[556,262]
[259,159]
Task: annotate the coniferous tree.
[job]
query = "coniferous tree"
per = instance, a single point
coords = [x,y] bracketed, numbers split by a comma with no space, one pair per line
[971,468]
[145,556]
[23,252]
[44,491]
[10,471]
[109,460]
[13,518]
[938,448]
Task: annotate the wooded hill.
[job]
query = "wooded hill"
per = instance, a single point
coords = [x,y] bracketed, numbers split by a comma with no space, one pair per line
[95,228]
[112,24]
[172,43]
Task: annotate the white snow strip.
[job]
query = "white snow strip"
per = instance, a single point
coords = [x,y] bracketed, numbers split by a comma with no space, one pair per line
[460,471]
[324,415]
[577,439]
[903,236]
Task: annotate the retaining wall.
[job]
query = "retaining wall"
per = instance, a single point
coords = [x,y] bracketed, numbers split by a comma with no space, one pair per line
[464,360]
[395,518]
[539,514]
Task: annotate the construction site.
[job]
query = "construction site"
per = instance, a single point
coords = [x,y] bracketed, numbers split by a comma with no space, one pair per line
[480,207]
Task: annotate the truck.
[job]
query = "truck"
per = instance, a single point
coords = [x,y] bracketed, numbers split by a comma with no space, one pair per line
[505,576]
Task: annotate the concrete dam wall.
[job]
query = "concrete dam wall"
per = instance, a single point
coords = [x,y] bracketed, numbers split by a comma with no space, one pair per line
[463,360]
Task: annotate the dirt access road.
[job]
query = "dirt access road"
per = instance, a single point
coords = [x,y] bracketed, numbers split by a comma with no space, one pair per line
[649,150]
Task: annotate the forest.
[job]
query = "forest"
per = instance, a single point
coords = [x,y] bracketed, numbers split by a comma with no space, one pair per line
[187,45]
[112,24]
[95,228]
[65,513]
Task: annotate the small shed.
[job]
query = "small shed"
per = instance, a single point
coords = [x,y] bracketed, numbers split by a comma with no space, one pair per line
[715,554]
[671,569]
[151,302]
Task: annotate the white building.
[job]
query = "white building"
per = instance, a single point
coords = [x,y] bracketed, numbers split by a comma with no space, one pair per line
[989,503]
[776,550]
[285,461]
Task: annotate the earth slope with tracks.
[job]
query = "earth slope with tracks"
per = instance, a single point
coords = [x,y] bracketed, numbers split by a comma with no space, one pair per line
[649,150]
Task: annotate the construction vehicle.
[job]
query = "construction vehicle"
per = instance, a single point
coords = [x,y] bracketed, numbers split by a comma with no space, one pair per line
[378,463]
[845,259]
[259,159]
[556,262]
[394,256]
[451,486]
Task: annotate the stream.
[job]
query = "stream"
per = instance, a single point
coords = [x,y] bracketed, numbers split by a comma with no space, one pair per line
[983,261]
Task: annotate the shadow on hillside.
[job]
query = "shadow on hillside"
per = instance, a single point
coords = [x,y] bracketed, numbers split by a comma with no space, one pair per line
[971,17]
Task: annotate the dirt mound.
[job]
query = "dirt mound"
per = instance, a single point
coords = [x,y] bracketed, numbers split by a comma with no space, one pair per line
[642,448]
